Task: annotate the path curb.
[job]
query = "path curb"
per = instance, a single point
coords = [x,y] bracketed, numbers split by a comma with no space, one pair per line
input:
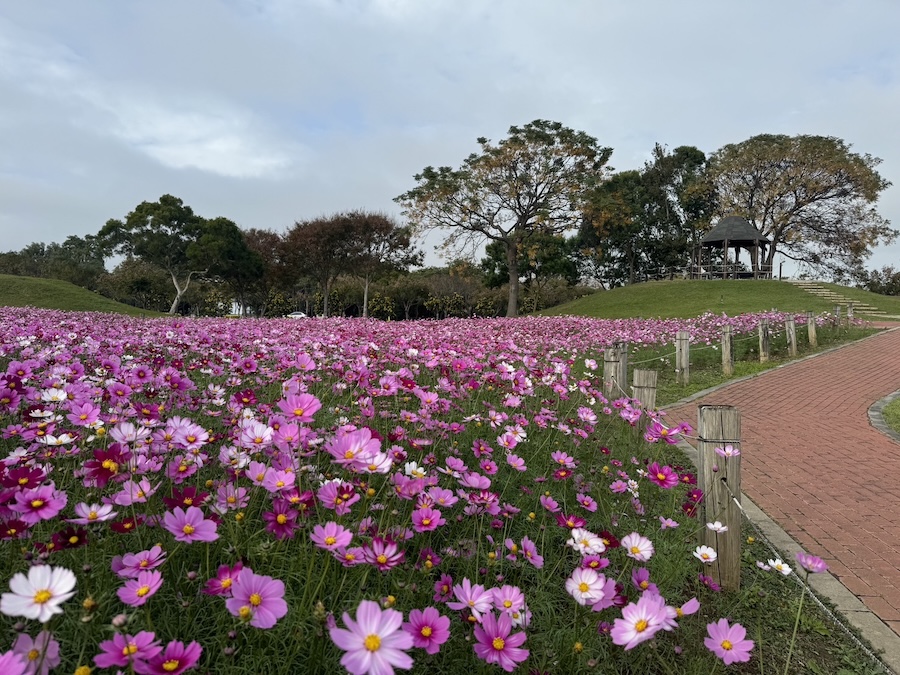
[882,638]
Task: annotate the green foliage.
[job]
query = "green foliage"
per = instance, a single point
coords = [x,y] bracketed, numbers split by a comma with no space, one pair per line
[885,281]
[891,413]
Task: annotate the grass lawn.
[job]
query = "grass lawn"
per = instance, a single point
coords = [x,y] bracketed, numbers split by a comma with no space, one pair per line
[55,294]
[891,414]
[669,299]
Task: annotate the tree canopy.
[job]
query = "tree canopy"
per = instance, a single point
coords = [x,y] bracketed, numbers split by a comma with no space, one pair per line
[812,196]
[532,182]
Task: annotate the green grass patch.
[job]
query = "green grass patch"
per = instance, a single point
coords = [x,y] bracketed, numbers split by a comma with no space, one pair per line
[891,414]
[18,291]
[686,298]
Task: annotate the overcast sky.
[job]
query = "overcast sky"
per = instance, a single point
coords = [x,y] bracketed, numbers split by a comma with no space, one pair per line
[272,111]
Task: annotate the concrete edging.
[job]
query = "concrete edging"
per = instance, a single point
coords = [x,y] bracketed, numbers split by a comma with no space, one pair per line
[876,418]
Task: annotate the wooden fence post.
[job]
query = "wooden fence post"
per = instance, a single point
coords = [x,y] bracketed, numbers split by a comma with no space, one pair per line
[837,316]
[763,340]
[683,357]
[621,369]
[644,387]
[610,368]
[811,329]
[849,314]
[720,479]
[727,351]
[790,328]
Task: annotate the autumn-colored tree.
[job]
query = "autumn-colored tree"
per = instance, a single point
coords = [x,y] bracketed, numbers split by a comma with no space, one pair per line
[812,196]
[532,182]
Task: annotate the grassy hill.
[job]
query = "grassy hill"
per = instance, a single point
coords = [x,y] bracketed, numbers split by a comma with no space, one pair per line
[683,298]
[55,294]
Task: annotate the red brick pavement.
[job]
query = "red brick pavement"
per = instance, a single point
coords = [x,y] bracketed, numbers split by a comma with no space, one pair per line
[813,463]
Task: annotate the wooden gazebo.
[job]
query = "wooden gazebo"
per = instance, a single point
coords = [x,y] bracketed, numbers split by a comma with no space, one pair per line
[737,233]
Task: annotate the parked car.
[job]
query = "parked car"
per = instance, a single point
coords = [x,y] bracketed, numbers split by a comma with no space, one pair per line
[295,315]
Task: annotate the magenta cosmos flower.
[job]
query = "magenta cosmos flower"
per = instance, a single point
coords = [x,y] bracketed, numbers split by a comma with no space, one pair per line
[727,642]
[427,519]
[190,526]
[177,658]
[494,644]
[13,664]
[136,592]
[428,628]
[123,649]
[257,598]
[375,642]
[663,476]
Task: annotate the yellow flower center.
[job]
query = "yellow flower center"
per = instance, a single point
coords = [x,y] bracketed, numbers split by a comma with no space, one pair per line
[727,646]
[73,540]
[23,481]
[426,631]
[188,529]
[299,412]
[188,501]
[33,655]
[330,541]
[110,465]
[171,665]
[635,550]
[256,599]
[498,644]
[372,643]
[279,484]
[382,559]
[583,587]
[507,603]
[660,476]
[281,519]
[641,626]
[93,515]
[679,612]
[245,612]
[42,596]
[129,649]
[426,521]
[226,583]
[182,468]
[37,503]
[142,591]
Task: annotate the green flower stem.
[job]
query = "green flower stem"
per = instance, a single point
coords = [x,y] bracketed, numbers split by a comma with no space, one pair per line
[787,663]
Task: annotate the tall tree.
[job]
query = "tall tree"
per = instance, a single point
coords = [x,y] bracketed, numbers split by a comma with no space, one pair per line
[531,182]
[160,233]
[812,196]
[228,257]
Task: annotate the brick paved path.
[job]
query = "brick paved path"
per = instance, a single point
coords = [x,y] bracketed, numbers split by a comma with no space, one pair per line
[813,463]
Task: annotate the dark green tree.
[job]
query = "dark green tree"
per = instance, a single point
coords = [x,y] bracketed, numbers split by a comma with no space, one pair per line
[532,182]
[228,257]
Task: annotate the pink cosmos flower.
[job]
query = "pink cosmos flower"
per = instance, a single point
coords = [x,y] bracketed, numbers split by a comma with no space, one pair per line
[428,628]
[637,547]
[383,553]
[473,598]
[529,550]
[300,407]
[257,598]
[136,592]
[331,536]
[190,526]
[663,476]
[177,658]
[495,644]
[509,599]
[375,642]
[666,523]
[132,564]
[586,502]
[426,520]
[728,642]
[516,462]
[811,563]
[92,513]
[43,650]
[443,588]
[41,503]
[640,621]
[549,503]
[10,662]
[640,577]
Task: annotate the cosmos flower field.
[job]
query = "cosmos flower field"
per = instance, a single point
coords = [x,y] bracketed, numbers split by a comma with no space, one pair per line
[330,495]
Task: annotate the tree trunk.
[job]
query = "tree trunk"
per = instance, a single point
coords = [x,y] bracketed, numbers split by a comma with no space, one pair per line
[325,299]
[512,264]
[366,298]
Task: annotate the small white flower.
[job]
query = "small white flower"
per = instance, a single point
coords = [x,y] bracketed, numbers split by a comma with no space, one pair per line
[777,564]
[717,527]
[705,554]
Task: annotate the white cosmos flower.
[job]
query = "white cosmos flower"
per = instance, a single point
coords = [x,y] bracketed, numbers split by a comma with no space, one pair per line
[780,566]
[586,542]
[705,554]
[717,527]
[39,595]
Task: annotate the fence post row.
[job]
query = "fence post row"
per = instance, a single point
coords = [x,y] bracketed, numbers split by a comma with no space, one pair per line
[790,329]
[644,387]
[811,329]
[727,351]
[720,478]
[763,340]
[683,357]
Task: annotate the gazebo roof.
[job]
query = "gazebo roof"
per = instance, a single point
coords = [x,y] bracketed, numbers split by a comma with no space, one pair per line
[736,231]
